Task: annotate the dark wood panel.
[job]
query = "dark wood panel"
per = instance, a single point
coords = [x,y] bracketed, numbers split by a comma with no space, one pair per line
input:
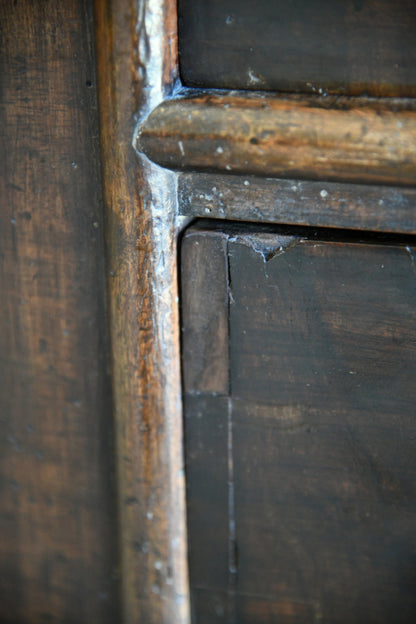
[58,547]
[209,607]
[206,433]
[324,512]
[321,432]
[343,46]
[205,343]
[317,204]
[347,295]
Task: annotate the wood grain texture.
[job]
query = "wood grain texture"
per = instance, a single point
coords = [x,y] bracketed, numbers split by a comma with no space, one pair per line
[351,140]
[321,433]
[317,204]
[58,547]
[354,311]
[347,47]
[205,339]
[136,51]
[322,369]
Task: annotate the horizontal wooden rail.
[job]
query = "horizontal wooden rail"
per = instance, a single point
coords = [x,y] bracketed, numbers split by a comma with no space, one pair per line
[298,202]
[343,139]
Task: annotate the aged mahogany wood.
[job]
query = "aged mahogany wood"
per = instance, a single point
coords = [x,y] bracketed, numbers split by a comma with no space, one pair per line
[137,67]
[58,546]
[270,200]
[337,139]
[343,46]
[312,516]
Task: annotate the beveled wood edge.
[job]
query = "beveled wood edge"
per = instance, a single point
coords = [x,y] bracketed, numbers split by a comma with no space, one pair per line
[136,50]
[295,202]
[368,141]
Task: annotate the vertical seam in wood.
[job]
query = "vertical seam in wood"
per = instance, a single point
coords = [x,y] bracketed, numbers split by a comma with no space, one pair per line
[232,535]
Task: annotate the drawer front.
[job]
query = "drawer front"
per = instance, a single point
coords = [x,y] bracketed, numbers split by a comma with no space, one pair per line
[299,369]
[347,47]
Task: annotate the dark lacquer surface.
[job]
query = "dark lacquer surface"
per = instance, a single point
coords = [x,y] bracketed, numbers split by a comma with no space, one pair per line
[343,46]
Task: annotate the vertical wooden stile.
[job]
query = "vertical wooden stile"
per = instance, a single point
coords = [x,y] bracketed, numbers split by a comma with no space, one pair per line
[136,52]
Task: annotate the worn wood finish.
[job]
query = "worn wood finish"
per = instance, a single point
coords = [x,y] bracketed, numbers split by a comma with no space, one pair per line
[136,50]
[58,547]
[347,47]
[268,200]
[320,434]
[205,345]
[315,138]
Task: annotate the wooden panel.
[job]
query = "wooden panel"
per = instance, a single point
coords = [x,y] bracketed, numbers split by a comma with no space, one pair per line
[268,200]
[340,139]
[321,431]
[58,550]
[347,295]
[207,490]
[205,318]
[325,510]
[350,47]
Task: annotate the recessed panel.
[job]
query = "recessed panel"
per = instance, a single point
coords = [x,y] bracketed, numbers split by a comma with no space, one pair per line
[342,46]
[301,482]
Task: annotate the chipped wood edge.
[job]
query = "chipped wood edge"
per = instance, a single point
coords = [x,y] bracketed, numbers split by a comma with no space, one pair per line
[136,49]
[340,139]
